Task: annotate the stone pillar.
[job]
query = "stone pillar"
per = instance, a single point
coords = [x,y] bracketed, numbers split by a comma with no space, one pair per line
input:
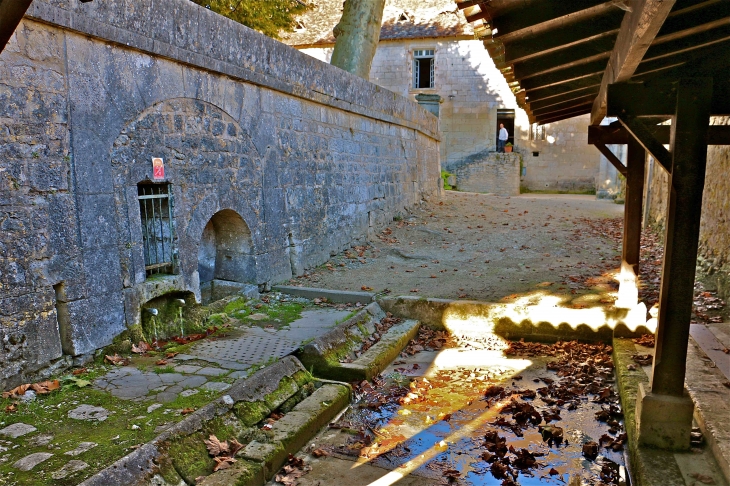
[664,415]
[431,102]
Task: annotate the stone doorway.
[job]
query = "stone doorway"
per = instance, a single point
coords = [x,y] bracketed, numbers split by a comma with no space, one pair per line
[225,259]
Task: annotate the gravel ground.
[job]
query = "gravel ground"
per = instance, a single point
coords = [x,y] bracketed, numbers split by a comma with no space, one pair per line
[483,247]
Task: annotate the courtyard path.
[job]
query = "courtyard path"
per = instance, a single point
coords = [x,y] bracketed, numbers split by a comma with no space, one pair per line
[483,247]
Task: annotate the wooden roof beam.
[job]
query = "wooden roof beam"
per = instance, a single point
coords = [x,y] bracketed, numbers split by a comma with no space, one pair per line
[638,29]
[564,75]
[563,116]
[563,105]
[535,16]
[11,13]
[564,37]
[536,105]
[562,89]
[566,58]
[610,135]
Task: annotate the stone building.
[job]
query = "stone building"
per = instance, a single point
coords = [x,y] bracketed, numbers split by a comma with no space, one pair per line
[143,153]
[427,48]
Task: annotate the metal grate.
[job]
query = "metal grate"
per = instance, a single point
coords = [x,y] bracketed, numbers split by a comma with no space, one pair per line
[251,348]
[155,208]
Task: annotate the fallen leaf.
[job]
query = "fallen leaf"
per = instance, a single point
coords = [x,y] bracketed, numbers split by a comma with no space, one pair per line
[171,355]
[215,447]
[11,408]
[702,478]
[79,371]
[320,453]
[161,362]
[223,463]
[366,288]
[186,411]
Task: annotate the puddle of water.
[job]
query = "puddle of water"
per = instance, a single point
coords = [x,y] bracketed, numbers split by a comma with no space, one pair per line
[443,427]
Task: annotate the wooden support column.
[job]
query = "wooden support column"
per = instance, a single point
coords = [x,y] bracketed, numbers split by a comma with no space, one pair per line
[635,161]
[687,182]
[664,413]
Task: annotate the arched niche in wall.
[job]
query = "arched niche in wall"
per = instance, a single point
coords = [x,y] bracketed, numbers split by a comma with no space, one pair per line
[212,168]
[225,250]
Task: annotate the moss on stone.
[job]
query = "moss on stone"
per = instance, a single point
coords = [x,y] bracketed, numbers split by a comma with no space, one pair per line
[189,455]
[250,413]
[287,387]
[302,378]
[237,304]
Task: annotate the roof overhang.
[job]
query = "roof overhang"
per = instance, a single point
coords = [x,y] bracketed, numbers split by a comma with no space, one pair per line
[559,57]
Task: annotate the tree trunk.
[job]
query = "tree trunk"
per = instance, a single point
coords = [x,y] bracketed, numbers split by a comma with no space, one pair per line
[357,34]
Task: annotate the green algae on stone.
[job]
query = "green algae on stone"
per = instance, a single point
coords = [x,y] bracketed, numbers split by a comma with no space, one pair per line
[251,413]
[287,387]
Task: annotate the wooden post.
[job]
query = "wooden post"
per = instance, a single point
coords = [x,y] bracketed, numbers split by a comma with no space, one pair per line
[687,182]
[635,161]
[664,413]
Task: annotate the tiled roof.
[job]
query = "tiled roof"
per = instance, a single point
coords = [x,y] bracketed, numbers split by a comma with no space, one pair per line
[402,19]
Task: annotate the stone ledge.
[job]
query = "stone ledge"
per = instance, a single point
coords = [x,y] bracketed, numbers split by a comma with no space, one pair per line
[268,64]
[712,409]
[323,355]
[139,466]
[335,296]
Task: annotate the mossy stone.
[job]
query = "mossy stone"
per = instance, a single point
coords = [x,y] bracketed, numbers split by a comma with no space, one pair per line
[287,387]
[250,413]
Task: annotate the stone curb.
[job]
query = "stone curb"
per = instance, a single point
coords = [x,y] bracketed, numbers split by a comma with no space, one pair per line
[138,467]
[712,410]
[335,296]
[515,321]
[323,354]
[649,467]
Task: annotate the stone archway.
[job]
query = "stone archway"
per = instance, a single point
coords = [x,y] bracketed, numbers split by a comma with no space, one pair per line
[225,255]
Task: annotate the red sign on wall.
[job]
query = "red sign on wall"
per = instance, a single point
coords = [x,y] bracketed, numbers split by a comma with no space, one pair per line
[158,169]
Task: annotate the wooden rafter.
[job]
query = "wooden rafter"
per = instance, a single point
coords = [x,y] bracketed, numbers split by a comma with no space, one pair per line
[11,13]
[638,29]
[615,161]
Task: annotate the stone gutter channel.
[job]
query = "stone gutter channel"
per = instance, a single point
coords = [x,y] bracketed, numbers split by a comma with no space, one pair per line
[303,397]
[179,453]
[300,394]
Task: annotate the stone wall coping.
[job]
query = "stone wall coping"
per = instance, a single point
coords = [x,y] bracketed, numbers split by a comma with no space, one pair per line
[184,32]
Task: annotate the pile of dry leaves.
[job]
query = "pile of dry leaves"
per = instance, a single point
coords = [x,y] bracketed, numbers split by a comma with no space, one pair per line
[428,340]
[380,329]
[292,471]
[584,371]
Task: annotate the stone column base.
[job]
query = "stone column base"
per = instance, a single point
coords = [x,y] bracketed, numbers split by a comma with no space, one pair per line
[663,421]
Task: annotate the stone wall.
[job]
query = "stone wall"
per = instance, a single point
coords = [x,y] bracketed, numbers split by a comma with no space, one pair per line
[563,161]
[489,173]
[305,158]
[472,90]
[714,251]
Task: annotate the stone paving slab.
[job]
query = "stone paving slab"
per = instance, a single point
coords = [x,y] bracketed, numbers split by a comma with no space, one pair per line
[30,461]
[17,430]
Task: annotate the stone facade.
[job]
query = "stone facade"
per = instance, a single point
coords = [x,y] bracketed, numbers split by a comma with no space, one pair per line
[487,172]
[274,161]
[472,91]
[714,250]
[564,161]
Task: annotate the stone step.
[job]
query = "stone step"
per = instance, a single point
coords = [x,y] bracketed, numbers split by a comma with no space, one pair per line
[323,356]
[179,455]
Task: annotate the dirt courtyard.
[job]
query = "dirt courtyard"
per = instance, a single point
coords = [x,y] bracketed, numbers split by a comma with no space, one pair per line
[484,247]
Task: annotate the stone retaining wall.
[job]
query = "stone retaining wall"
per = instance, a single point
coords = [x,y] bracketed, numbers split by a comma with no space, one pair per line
[277,159]
[714,248]
[489,173]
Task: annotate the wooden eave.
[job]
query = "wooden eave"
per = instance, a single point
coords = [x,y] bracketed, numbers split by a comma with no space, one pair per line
[561,56]
[11,13]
